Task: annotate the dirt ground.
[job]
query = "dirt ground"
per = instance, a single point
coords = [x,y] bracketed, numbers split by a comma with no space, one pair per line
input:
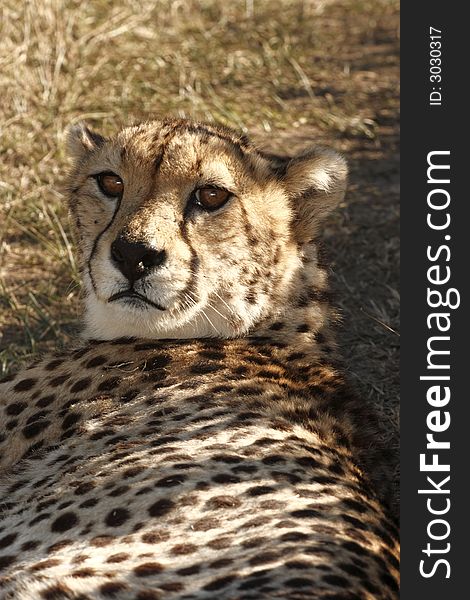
[289,72]
[362,239]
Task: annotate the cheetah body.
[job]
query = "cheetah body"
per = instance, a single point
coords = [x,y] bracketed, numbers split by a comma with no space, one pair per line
[219,452]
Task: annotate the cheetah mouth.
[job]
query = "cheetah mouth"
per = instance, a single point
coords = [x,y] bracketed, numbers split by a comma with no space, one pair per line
[133,297]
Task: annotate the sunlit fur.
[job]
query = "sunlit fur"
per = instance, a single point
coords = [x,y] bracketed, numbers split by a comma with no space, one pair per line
[228,272]
[198,469]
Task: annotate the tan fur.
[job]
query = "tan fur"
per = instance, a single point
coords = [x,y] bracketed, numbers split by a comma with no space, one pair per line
[208,445]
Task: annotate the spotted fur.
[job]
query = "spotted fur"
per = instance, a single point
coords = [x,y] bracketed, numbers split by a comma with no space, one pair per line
[201,442]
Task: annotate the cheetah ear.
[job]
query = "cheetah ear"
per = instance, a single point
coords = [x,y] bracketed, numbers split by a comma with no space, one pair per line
[315,181]
[81,140]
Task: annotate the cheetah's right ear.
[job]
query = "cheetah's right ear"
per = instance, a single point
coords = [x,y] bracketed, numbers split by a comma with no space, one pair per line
[81,140]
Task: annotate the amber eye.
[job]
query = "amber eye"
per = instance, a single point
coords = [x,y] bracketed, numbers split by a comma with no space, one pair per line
[110,184]
[211,198]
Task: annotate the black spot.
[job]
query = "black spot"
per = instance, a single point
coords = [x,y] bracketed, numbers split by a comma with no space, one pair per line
[64,522]
[307,513]
[212,354]
[273,459]
[16,408]
[255,581]
[161,507]
[225,478]
[171,481]
[336,580]
[111,588]
[89,503]
[83,573]
[156,362]
[303,328]
[56,381]
[259,490]
[129,396]
[251,297]
[117,517]
[323,479]
[132,472]
[221,563]
[227,458]
[96,361]
[81,351]
[58,546]
[277,326]
[57,592]
[355,522]
[116,439]
[245,469]
[297,564]
[119,491]
[172,586]
[351,569]
[192,570]
[155,536]
[382,535]
[144,490]
[219,583]
[45,401]
[70,420]
[6,561]
[249,390]
[31,545]
[203,368]
[296,356]
[370,587]
[102,540]
[223,502]
[294,536]
[8,540]
[37,416]
[148,595]
[35,428]
[148,569]
[101,434]
[254,542]
[389,581]
[218,389]
[263,557]
[25,385]
[299,582]
[118,557]
[81,384]
[246,416]
[308,461]
[109,384]
[162,441]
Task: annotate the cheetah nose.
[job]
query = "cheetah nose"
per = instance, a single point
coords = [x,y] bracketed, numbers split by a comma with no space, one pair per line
[135,259]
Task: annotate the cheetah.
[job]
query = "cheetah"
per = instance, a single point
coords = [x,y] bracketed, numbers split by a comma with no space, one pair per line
[201,441]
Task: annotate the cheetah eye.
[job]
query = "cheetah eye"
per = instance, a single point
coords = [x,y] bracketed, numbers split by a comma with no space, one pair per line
[211,198]
[110,184]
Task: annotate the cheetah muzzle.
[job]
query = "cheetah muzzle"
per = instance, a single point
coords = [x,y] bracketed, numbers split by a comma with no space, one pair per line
[201,441]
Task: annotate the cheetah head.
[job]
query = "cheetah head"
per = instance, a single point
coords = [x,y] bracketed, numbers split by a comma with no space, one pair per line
[187,230]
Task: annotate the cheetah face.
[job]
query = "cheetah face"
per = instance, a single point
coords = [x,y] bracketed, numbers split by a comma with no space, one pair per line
[186,230]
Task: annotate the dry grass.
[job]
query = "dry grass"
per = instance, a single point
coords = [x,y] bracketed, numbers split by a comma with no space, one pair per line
[288,71]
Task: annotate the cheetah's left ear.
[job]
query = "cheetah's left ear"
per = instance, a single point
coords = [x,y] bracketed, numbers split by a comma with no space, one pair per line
[316,182]
[81,140]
